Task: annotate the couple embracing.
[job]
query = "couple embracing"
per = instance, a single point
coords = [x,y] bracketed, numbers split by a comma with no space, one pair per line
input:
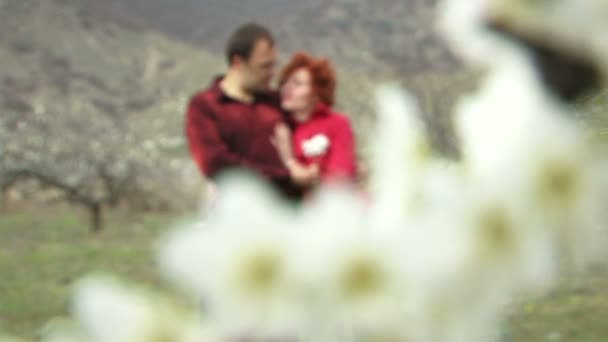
[290,136]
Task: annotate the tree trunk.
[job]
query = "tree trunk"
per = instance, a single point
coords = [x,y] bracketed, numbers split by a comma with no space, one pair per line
[3,200]
[96,217]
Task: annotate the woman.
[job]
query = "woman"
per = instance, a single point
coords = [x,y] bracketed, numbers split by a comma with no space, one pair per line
[322,146]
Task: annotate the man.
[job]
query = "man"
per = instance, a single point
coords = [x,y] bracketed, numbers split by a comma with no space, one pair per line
[230,124]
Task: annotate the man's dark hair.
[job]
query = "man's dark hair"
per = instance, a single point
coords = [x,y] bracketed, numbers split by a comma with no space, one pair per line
[243,40]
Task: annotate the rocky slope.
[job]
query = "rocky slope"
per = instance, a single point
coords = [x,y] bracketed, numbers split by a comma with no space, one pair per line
[87,97]
[372,36]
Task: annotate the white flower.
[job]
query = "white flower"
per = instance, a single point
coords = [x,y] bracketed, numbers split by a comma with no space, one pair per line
[510,250]
[515,133]
[347,270]
[110,312]
[464,25]
[238,260]
[578,27]
[401,154]
[363,280]
[528,143]
[316,146]
[497,122]
[471,248]
[566,185]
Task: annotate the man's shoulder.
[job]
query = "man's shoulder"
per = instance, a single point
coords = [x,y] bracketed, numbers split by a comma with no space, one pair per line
[206,95]
[209,93]
[202,103]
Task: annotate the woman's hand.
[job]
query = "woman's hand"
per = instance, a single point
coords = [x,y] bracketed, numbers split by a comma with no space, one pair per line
[303,175]
[281,140]
[300,174]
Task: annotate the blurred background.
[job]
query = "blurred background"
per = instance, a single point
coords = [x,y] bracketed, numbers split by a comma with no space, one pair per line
[92,100]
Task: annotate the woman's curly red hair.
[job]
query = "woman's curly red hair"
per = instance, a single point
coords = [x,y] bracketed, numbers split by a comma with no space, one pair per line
[321,71]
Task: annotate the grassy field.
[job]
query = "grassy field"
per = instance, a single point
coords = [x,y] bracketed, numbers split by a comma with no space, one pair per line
[577,311]
[42,254]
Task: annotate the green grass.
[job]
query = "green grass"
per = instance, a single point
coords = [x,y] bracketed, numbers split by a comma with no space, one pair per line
[43,254]
[576,311]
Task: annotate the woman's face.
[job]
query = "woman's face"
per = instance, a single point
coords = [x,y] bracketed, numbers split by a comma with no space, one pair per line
[297,95]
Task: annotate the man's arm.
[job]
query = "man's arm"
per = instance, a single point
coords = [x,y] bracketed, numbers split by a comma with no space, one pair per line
[209,150]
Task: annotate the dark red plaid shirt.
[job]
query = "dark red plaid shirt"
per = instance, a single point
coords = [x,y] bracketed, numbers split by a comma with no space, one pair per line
[224,133]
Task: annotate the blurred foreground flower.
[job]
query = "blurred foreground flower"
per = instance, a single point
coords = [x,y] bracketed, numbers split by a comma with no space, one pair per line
[109,311]
[238,261]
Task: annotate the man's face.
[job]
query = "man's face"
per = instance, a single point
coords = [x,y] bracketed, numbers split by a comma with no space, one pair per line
[258,71]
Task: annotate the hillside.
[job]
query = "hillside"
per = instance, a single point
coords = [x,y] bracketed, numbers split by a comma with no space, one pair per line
[382,36]
[373,36]
[93,103]
[62,55]
[206,22]
[369,41]
[63,59]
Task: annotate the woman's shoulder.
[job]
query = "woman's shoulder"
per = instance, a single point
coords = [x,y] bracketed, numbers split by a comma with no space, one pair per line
[339,119]
[330,119]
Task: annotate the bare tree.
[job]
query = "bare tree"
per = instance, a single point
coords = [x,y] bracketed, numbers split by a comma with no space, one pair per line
[94,160]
